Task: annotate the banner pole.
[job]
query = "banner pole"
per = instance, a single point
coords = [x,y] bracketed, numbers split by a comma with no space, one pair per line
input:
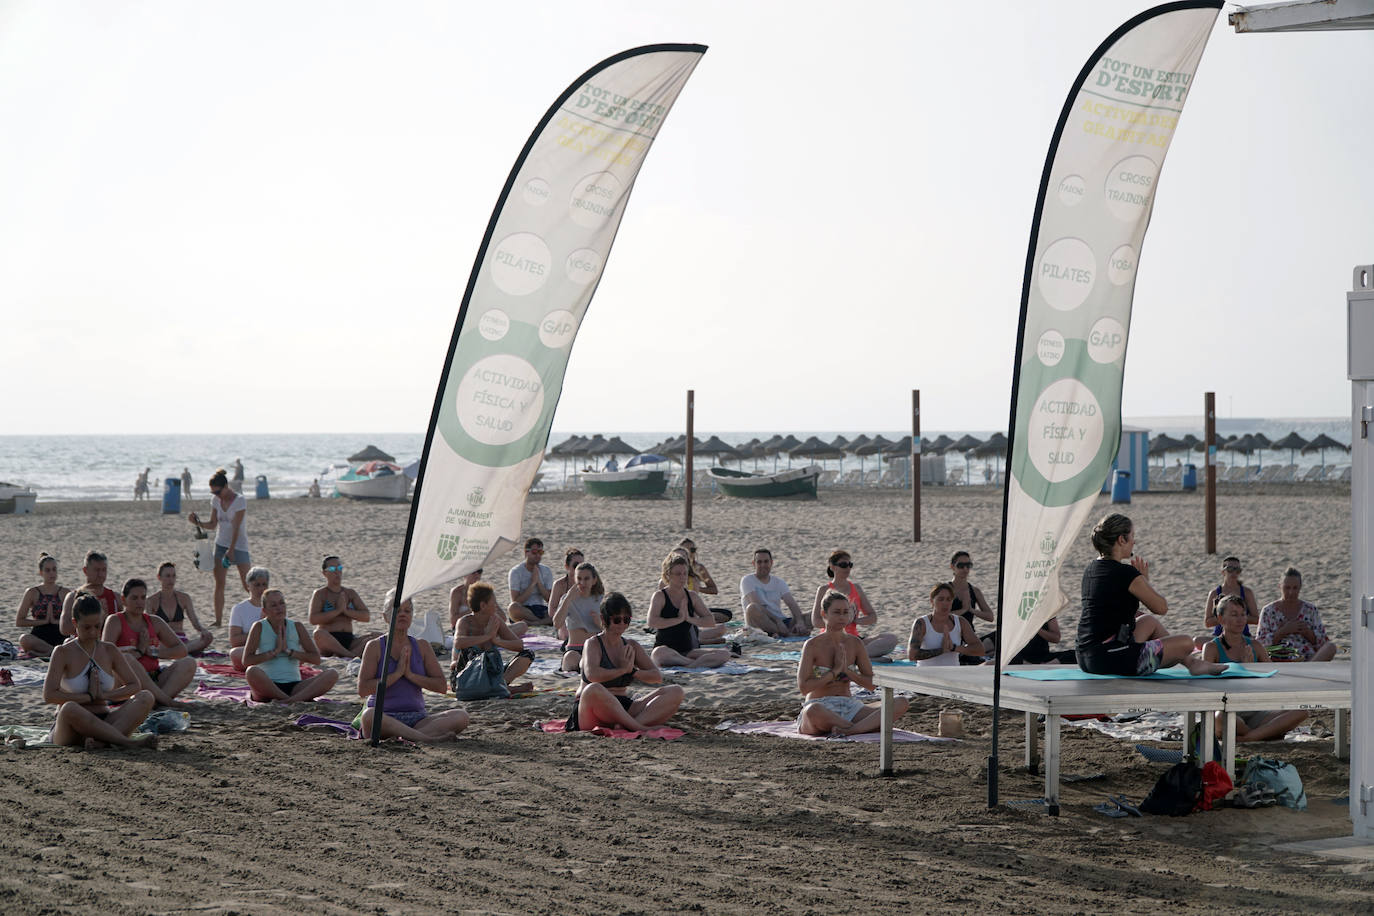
[1209,438]
[687,461]
[916,465]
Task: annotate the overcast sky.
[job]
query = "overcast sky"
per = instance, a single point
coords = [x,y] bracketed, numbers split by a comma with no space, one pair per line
[260,216]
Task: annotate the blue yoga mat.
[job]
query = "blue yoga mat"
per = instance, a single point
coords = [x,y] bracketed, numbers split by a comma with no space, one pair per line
[1176,673]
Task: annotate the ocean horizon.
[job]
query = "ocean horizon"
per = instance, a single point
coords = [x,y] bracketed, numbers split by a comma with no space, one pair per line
[104,467]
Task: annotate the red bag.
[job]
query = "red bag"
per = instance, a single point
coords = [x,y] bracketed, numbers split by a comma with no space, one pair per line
[1215,785]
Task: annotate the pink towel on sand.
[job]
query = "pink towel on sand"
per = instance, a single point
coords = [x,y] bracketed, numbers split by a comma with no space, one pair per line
[789,730]
[559,726]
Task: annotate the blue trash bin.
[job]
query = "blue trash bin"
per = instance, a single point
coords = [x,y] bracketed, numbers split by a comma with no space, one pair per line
[1121,487]
[171,496]
[1190,477]
[262,487]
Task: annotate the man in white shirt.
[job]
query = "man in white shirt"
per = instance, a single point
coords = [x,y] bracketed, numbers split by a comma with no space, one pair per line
[762,595]
[531,582]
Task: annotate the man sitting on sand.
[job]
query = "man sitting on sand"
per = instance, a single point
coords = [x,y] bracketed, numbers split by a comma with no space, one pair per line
[531,583]
[96,568]
[333,609]
[481,630]
[246,613]
[762,596]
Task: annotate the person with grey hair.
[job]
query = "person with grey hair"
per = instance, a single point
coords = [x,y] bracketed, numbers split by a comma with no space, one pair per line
[246,613]
[1112,639]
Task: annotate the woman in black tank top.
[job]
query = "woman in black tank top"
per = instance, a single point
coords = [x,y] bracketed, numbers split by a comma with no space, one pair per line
[610,663]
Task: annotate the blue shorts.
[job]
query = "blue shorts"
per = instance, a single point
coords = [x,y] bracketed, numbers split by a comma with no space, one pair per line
[239,557]
[538,610]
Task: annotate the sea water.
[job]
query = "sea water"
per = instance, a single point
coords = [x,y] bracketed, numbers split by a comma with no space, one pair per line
[105,467]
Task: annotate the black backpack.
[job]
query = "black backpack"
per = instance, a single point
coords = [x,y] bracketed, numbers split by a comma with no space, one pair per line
[1177,791]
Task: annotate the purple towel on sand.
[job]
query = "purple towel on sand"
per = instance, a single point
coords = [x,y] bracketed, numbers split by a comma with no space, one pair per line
[538,642]
[789,730]
[343,728]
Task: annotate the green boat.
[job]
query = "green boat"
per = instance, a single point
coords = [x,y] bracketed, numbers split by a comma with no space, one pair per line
[627,484]
[794,483]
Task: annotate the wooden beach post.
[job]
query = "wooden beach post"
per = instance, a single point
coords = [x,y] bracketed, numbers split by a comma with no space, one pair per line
[916,465]
[687,460]
[1209,441]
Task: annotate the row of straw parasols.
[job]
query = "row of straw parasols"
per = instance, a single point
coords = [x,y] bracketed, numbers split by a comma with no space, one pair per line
[1249,444]
[592,448]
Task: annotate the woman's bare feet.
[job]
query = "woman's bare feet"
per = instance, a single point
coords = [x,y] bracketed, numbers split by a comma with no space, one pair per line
[1197,666]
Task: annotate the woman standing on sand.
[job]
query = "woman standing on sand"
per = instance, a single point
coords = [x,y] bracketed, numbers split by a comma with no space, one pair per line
[411,668]
[1230,585]
[830,662]
[85,675]
[41,609]
[837,568]
[227,512]
[610,664]
[180,611]
[1111,640]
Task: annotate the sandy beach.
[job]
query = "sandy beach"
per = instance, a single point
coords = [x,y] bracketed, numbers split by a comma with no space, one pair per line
[246,813]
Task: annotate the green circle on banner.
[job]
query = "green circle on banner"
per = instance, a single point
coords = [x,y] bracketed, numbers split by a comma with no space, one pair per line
[497,408]
[1068,425]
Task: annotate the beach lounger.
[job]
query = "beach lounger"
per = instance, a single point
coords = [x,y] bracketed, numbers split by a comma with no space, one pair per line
[1268,474]
[1344,476]
[871,477]
[1313,474]
[852,478]
[827,478]
[1287,473]
[956,477]
[892,477]
[1172,477]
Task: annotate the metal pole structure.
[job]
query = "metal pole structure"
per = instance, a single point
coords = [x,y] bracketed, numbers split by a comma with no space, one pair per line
[1360,357]
[916,465]
[687,460]
[1209,438]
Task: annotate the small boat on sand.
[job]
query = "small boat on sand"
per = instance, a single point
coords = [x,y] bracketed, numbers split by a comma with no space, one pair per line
[644,481]
[374,480]
[794,483]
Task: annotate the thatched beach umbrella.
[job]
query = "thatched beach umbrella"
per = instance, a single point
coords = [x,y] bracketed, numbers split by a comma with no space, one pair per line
[1321,444]
[1164,443]
[857,443]
[938,444]
[965,443]
[371,453]
[717,448]
[565,447]
[816,450]
[995,447]
[839,443]
[1240,444]
[1292,442]
[873,446]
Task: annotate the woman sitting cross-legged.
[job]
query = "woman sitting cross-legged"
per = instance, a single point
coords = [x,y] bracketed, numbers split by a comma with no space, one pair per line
[830,662]
[483,629]
[273,654]
[675,615]
[610,664]
[86,675]
[148,641]
[410,667]
[578,613]
[1234,646]
[837,567]
[942,637]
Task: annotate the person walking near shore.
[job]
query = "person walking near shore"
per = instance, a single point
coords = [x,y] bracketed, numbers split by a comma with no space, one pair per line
[186,483]
[227,513]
